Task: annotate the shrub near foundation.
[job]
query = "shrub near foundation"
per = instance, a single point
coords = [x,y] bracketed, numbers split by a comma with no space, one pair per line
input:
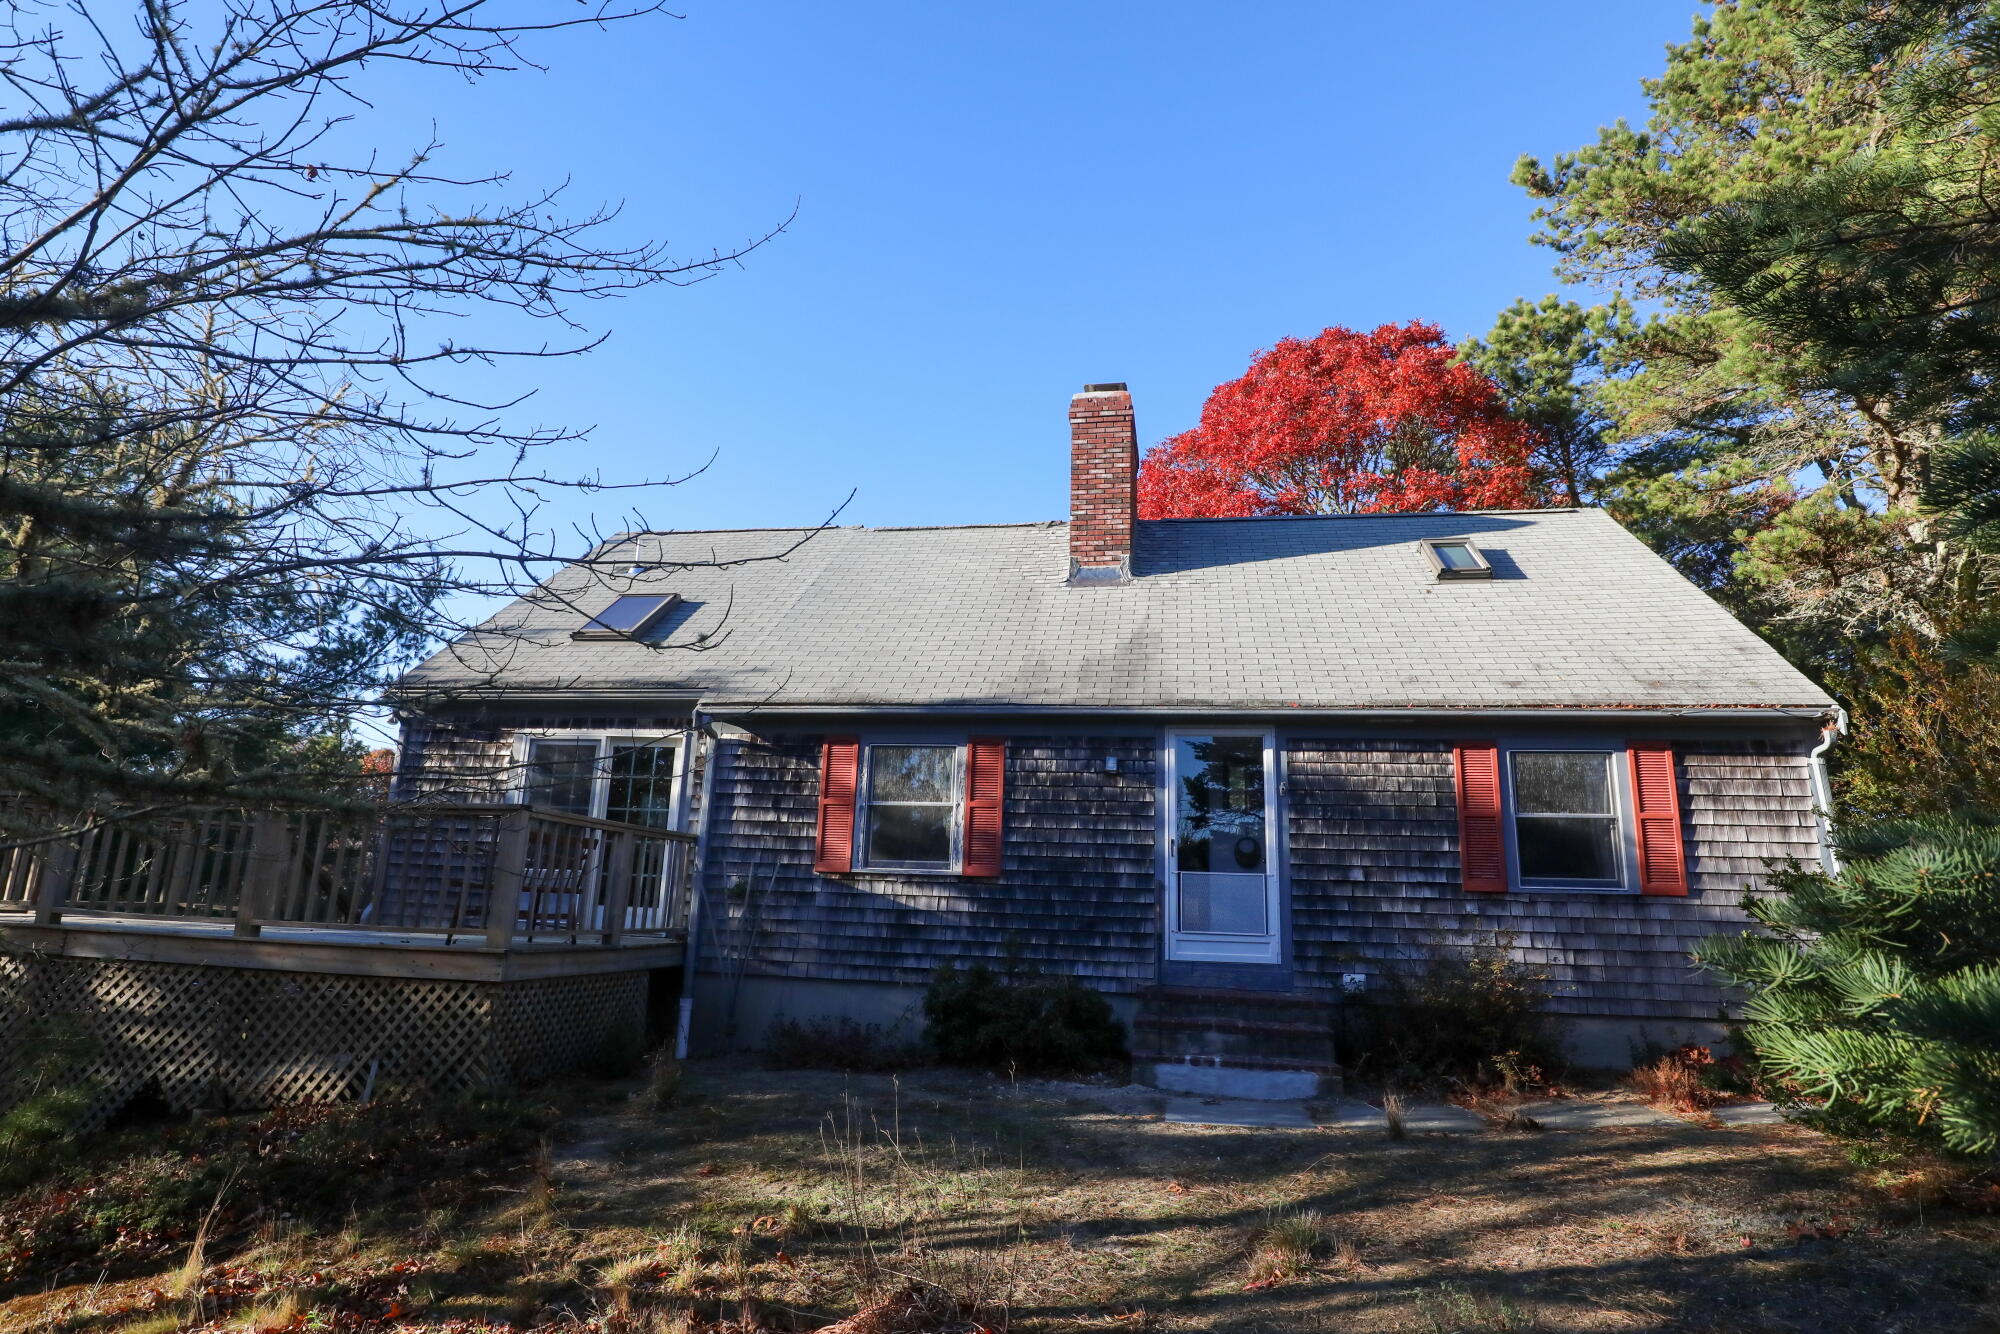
[1468,1015]
[1020,1020]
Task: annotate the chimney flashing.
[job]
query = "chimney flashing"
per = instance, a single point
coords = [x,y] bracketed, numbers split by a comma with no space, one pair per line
[1099,576]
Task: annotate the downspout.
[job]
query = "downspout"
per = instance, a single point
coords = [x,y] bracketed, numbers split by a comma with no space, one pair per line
[697,875]
[1822,788]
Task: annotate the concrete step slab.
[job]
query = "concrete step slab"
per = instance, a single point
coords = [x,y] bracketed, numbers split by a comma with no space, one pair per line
[1234,1112]
[1240,1060]
[1231,1081]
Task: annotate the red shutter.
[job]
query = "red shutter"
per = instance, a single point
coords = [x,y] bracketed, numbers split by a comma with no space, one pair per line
[839,774]
[1482,843]
[985,791]
[1656,811]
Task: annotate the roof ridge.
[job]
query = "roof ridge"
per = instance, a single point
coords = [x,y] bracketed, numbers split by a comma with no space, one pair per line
[1379,514]
[1064,523]
[838,528]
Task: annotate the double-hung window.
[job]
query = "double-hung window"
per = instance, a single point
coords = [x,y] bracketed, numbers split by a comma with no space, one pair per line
[1570,815]
[1568,826]
[910,805]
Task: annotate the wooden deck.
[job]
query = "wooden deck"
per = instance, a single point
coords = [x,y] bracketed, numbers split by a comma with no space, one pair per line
[465,892]
[344,951]
[245,958]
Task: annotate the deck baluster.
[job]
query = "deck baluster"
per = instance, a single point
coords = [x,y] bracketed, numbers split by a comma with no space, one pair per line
[55,870]
[504,885]
[263,880]
[618,892]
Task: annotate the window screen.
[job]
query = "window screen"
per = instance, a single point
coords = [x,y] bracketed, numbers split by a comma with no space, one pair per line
[1221,812]
[1565,817]
[911,805]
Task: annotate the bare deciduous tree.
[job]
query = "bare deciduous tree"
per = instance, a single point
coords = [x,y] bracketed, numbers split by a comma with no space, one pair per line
[240,483]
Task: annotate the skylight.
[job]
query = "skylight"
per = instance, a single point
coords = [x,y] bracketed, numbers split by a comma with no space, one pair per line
[628,616]
[1456,558]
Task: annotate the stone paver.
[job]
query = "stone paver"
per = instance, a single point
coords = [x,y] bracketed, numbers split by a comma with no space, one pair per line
[1593,1114]
[1747,1114]
[1261,1115]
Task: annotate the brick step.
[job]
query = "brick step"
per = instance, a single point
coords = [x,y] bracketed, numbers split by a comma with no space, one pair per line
[1228,1037]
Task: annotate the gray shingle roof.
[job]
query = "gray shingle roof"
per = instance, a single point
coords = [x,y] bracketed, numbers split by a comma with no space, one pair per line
[1277,613]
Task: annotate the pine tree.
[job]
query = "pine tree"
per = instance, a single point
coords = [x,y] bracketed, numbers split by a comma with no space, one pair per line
[1875,993]
[1723,416]
[1808,212]
[1881,270]
[1548,358]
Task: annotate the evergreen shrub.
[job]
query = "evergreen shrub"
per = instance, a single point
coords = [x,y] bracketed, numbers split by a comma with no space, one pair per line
[1469,1014]
[1874,1007]
[1021,1020]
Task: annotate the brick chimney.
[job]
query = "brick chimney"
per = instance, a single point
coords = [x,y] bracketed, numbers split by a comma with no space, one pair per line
[1103,484]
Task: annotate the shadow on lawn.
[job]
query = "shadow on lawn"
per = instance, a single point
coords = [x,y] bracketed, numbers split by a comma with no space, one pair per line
[1638,1226]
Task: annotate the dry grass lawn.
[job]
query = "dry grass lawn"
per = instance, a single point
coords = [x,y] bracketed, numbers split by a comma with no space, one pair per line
[781,1201]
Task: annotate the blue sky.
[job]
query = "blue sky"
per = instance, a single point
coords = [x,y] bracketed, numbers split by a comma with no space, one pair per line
[999,203]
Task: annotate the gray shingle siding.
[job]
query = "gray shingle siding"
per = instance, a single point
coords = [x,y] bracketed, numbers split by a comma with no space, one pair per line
[1077,894]
[1386,811]
[453,760]
[1372,847]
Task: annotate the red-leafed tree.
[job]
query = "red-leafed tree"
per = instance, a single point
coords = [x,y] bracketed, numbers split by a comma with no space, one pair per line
[1346,423]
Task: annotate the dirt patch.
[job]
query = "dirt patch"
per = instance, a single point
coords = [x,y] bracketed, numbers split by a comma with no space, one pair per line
[791,1200]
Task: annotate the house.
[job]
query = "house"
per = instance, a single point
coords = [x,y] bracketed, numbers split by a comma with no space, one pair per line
[1226,771]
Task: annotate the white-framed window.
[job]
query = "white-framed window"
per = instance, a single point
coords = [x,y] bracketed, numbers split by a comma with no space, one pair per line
[909,806]
[635,778]
[1568,817]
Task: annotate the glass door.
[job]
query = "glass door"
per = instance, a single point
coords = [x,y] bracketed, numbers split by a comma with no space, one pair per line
[631,780]
[1222,901]
[642,783]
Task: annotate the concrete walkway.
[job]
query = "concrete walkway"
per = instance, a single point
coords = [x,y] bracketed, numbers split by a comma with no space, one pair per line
[1594,1114]
[1598,1112]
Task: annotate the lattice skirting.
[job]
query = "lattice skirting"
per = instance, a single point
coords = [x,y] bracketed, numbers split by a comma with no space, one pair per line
[214,1036]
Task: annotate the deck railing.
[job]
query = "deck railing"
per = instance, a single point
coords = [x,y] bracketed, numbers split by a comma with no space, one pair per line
[403,869]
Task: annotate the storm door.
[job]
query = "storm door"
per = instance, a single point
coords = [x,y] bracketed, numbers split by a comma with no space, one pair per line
[1222,880]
